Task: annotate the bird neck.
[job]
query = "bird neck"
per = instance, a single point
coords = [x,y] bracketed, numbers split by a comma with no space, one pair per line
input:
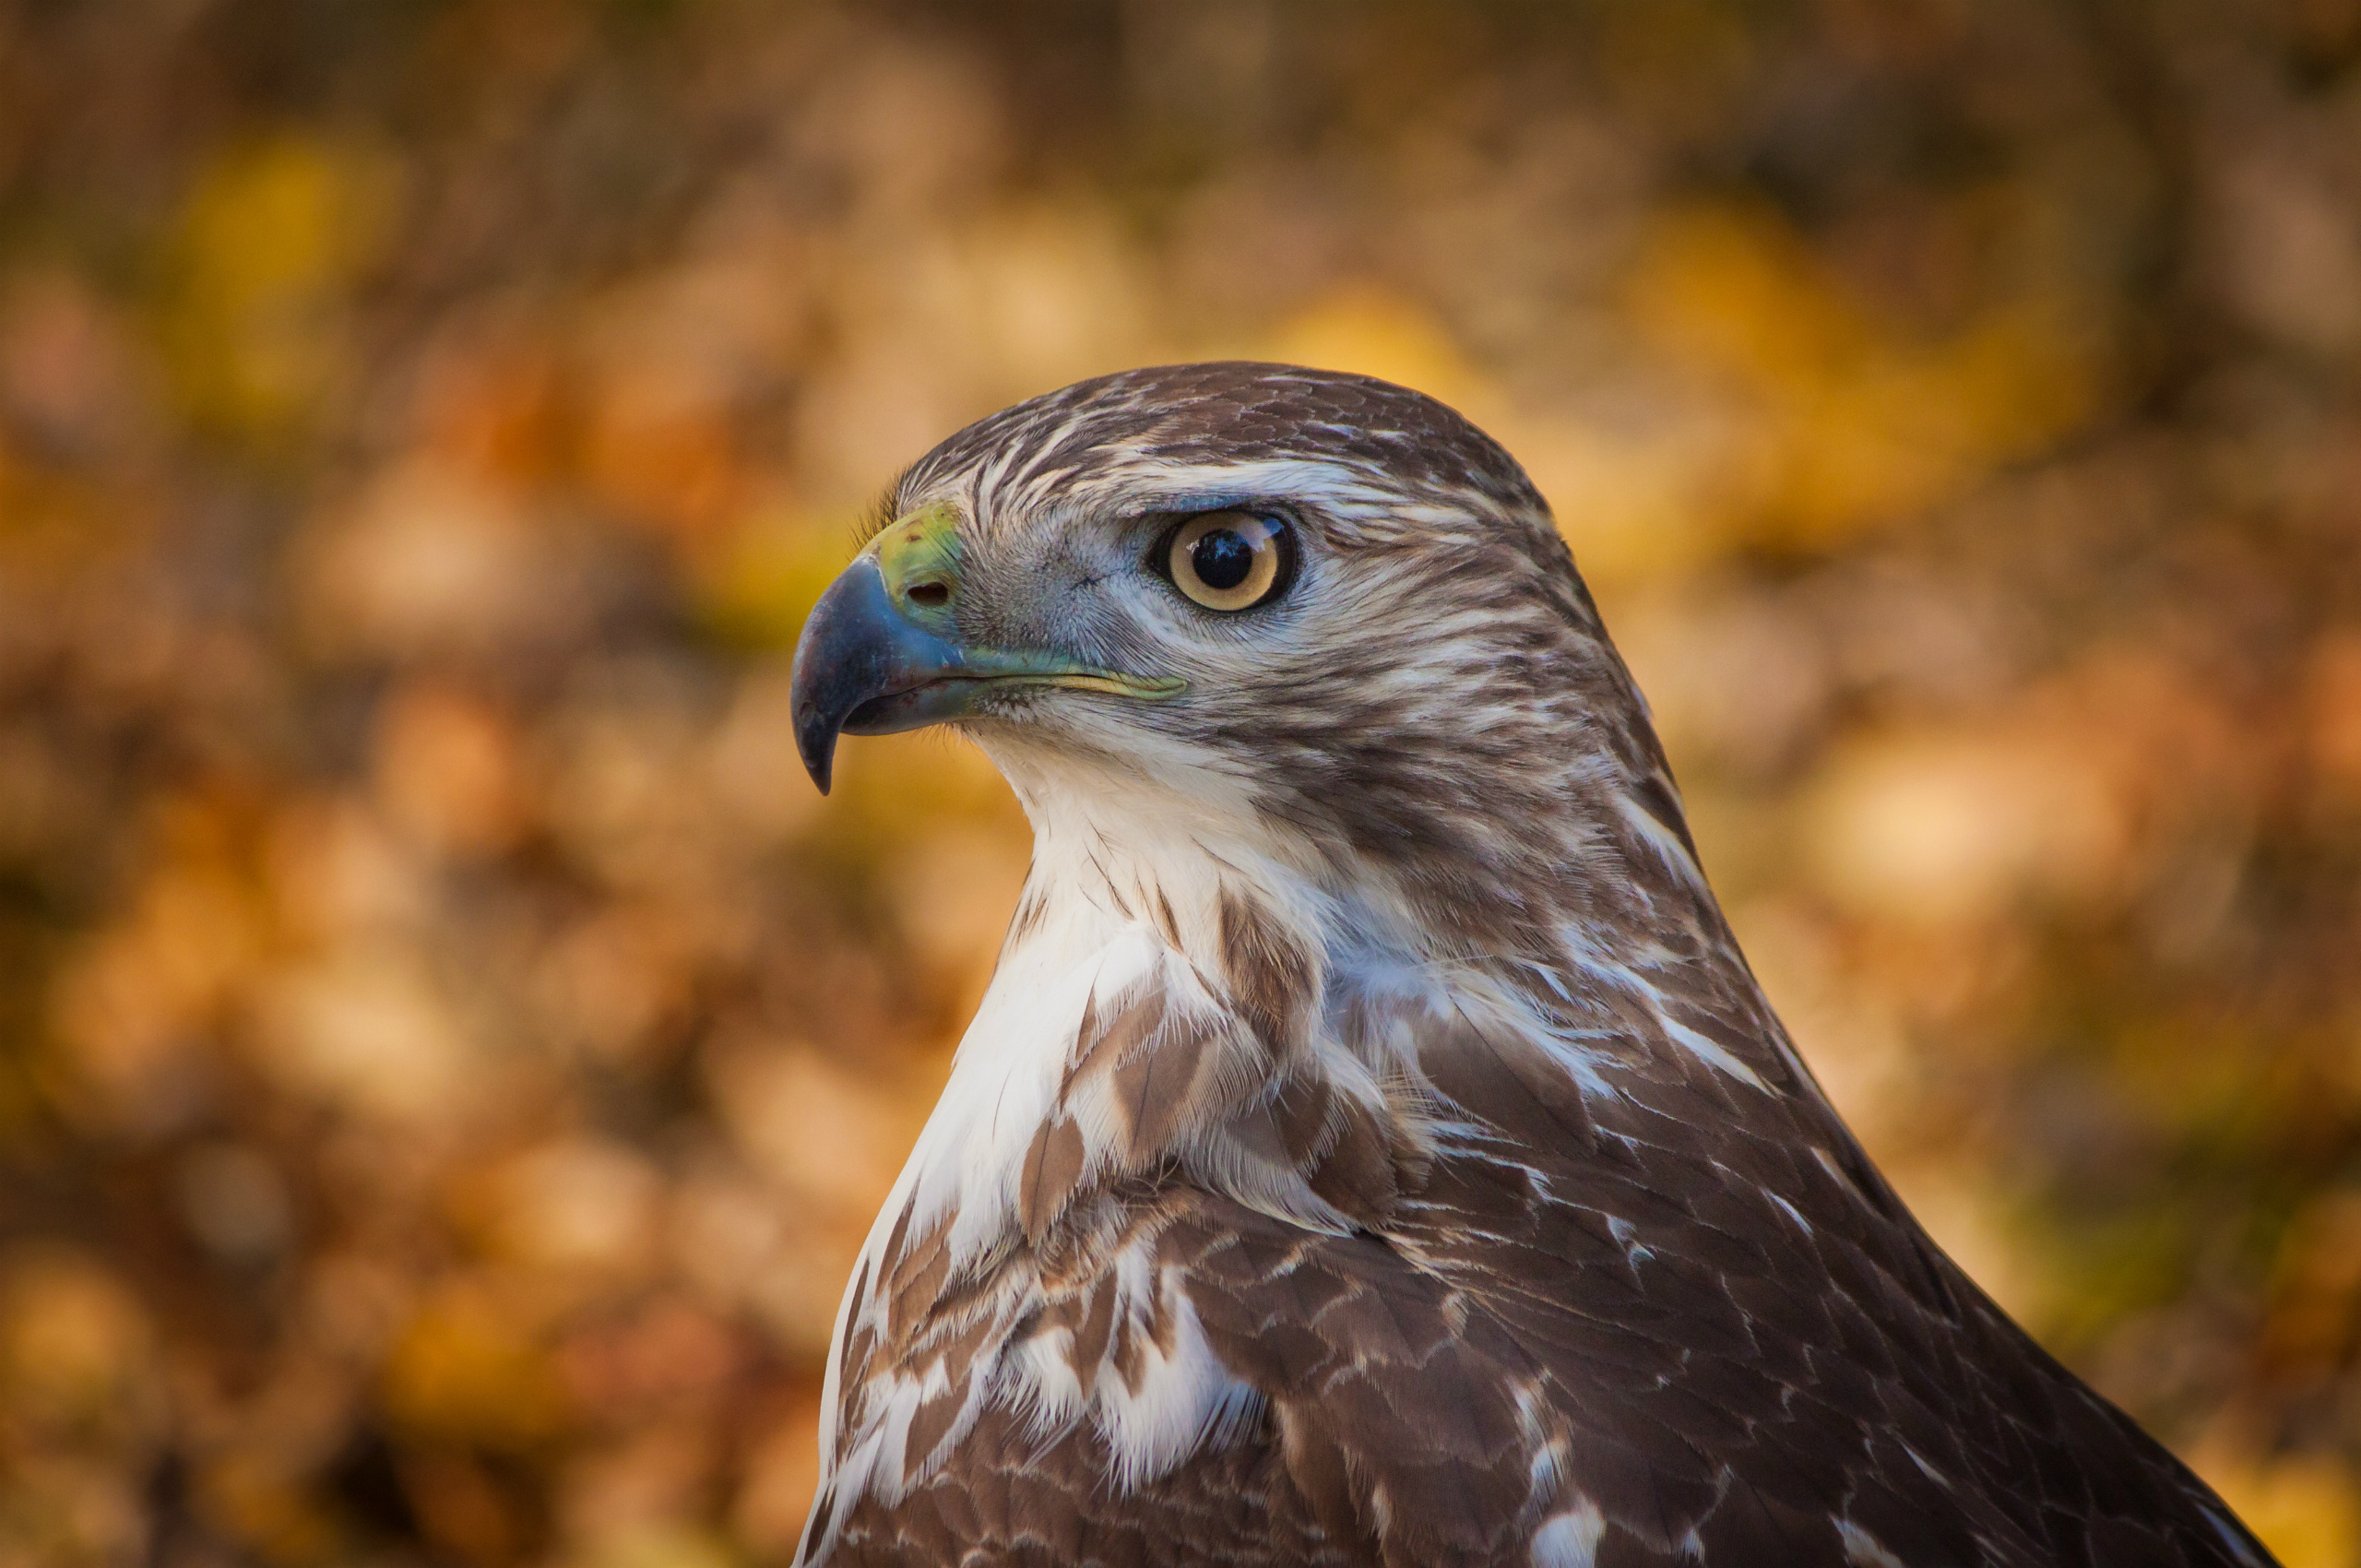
[1152,984]
[1185,989]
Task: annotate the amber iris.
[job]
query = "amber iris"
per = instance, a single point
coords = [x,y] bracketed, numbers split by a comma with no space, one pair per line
[1229,561]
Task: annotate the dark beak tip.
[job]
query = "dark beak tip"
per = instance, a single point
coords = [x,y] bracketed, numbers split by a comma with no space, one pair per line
[815,742]
[841,661]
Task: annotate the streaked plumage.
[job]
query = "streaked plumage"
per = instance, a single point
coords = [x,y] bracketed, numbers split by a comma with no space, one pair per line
[1374,1146]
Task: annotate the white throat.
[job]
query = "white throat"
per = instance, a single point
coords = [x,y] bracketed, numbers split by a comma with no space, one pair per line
[1124,895]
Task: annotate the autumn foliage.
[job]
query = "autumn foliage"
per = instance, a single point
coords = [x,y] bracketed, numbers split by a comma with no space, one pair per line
[448,1055]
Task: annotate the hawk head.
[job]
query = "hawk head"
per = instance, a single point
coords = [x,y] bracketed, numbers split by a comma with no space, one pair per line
[1310,617]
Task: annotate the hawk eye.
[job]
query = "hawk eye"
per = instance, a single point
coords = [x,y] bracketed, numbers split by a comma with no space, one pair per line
[1229,561]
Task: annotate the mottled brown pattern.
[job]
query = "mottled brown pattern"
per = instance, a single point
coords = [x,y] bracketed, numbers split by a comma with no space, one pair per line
[1024,1503]
[1714,1378]
[1596,1249]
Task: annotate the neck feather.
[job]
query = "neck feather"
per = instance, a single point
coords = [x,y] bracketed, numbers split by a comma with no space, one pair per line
[1187,987]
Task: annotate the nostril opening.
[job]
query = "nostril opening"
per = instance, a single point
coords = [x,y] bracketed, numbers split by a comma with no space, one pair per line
[929,594]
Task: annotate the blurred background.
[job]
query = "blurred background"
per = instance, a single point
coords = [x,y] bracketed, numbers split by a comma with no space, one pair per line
[449,1055]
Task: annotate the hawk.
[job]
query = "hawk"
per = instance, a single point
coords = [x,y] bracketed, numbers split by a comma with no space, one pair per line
[1373,1146]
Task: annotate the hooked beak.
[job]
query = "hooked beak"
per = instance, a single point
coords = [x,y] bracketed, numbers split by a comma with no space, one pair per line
[882,651]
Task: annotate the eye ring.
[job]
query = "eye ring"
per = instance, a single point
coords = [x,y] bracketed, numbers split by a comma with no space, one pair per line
[1229,561]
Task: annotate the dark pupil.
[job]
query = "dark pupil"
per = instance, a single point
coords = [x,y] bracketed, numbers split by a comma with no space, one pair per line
[1222,558]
